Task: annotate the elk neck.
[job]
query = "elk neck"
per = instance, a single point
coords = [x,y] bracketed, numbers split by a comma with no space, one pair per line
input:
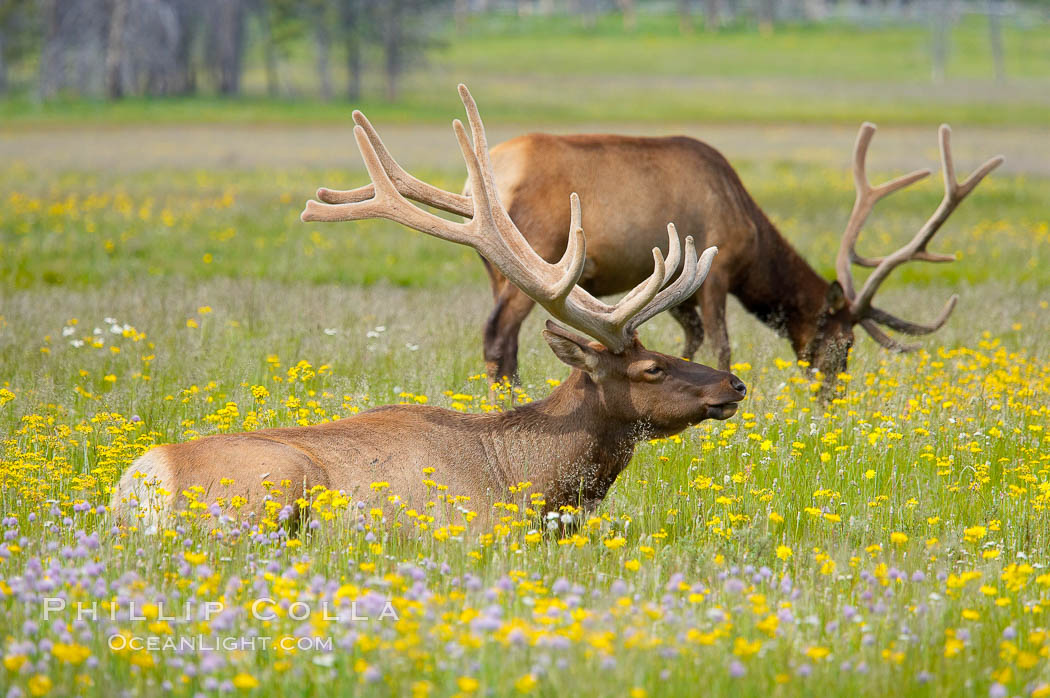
[568,444]
[780,288]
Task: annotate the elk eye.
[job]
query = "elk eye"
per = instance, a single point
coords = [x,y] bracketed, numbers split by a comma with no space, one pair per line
[653,370]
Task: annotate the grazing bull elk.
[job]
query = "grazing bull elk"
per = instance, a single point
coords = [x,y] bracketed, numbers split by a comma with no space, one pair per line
[571,445]
[637,183]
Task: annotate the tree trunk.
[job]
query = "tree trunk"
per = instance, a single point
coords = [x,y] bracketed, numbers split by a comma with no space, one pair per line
[228,44]
[731,10]
[814,10]
[582,9]
[269,53]
[940,18]
[630,19]
[461,13]
[353,68]
[766,16]
[51,66]
[351,19]
[392,49]
[115,50]
[185,78]
[995,37]
[711,18]
[3,67]
[324,52]
[392,67]
[685,18]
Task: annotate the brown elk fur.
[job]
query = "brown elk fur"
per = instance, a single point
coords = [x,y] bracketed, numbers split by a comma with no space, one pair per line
[699,190]
[632,184]
[571,445]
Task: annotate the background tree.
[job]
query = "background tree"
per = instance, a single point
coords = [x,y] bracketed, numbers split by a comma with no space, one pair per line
[940,21]
[630,17]
[280,24]
[402,29]
[225,44]
[767,15]
[151,40]
[685,17]
[72,58]
[190,17]
[353,21]
[157,47]
[322,17]
[142,44]
[587,10]
[712,18]
[995,38]
[18,34]
[115,59]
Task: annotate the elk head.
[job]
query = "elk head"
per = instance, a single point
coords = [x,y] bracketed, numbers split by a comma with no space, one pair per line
[827,349]
[663,393]
[844,306]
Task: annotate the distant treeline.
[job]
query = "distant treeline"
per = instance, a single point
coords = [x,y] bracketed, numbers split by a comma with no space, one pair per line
[117,48]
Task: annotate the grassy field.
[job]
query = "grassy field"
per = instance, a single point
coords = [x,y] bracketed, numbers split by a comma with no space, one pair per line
[549,70]
[894,543]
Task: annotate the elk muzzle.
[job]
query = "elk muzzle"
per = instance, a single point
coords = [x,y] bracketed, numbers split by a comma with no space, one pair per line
[724,403]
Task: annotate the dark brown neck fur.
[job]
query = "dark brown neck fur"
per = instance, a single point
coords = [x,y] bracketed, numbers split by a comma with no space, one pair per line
[780,288]
[567,445]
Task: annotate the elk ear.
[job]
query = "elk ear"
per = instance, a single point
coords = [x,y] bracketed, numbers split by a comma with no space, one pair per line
[835,299]
[572,349]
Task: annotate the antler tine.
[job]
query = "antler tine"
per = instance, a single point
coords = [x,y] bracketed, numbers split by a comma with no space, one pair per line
[575,253]
[674,251]
[884,339]
[913,328]
[500,241]
[954,193]
[406,184]
[867,197]
[387,202]
[674,256]
[961,191]
[345,196]
[694,272]
[505,225]
[641,295]
[505,246]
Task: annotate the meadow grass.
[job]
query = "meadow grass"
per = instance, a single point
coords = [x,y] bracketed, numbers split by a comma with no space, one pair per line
[542,71]
[893,543]
[79,228]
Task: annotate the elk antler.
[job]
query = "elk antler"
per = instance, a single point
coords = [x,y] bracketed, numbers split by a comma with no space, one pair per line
[861,308]
[493,234]
[408,185]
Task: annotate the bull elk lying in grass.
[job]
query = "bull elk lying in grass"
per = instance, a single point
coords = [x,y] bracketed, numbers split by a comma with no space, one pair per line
[571,445]
[641,182]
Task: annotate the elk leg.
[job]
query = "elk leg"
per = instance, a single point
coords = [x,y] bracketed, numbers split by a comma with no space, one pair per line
[501,333]
[713,308]
[686,316]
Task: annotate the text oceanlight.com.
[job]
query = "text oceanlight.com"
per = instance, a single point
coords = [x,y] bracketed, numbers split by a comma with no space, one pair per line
[204,643]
